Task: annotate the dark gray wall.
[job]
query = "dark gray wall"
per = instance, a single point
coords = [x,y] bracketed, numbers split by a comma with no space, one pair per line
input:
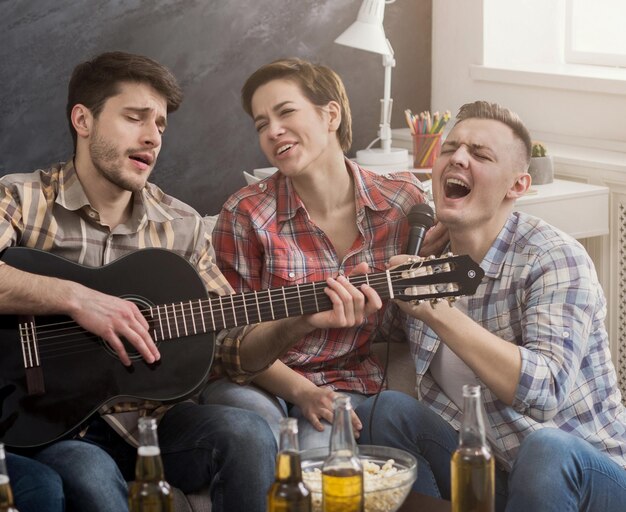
[211,46]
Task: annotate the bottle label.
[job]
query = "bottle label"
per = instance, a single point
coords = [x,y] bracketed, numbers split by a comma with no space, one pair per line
[149,451]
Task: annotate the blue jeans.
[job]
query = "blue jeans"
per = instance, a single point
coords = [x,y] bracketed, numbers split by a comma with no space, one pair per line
[36,487]
[553,471]
[231,451]
[272,409]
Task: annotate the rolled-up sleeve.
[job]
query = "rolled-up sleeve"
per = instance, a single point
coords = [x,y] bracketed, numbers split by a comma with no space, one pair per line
[560,309]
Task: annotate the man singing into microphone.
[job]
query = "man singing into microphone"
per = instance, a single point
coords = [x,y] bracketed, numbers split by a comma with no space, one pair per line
[533,337]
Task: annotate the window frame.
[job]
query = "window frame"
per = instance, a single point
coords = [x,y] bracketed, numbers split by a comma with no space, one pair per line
[573,56]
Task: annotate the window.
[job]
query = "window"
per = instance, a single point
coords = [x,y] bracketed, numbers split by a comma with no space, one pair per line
[595,32]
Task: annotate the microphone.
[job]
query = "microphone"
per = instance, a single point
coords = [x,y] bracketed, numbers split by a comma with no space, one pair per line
[421,217]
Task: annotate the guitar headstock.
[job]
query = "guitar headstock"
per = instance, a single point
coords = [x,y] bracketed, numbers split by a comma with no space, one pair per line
[434,278]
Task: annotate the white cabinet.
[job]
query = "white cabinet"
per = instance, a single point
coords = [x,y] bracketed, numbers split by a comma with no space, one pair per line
[607,169]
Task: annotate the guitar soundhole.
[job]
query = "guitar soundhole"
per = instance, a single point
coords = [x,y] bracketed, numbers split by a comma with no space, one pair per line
[143,304]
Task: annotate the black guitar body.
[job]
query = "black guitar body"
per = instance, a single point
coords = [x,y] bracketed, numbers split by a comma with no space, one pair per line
[80,372]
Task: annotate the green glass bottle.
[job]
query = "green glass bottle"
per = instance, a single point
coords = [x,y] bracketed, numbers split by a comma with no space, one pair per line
[473,465]
[149,492]
[6,494]
[342,472]
[288,493]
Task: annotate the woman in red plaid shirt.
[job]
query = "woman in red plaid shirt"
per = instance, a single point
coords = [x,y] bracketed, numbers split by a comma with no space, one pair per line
[320,216]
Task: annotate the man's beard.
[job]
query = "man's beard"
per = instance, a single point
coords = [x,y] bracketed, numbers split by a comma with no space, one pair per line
[108,162]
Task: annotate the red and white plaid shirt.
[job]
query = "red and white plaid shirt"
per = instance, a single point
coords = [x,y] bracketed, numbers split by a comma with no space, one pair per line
[264,238]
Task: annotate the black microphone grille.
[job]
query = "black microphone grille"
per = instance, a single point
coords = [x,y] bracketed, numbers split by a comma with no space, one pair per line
[421,215]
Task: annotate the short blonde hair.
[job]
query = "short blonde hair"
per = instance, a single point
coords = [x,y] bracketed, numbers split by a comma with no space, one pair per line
[318,83]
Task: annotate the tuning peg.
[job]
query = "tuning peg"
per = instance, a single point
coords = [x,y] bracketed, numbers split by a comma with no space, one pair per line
[451,301]
[449,254]
[434,302]
[415,302]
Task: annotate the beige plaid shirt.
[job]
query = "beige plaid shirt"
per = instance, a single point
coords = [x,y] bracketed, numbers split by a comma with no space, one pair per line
[49,210]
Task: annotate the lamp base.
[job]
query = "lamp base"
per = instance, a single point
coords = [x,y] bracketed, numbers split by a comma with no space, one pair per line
[395,159]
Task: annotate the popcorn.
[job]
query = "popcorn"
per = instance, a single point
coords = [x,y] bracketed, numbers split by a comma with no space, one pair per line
[386,486]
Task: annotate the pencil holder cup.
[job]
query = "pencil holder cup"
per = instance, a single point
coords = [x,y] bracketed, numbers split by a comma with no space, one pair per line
[426,149]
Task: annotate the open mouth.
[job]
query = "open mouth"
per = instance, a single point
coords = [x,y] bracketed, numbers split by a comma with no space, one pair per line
[283,149]
[455,188]
[141,158]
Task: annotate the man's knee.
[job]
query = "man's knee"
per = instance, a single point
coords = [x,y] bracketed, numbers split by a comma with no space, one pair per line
[550,442]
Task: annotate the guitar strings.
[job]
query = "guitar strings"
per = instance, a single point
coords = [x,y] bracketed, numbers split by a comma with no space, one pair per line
[230,313]
[57,336]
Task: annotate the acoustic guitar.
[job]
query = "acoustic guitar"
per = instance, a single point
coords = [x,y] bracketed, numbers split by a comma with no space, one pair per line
[54,374]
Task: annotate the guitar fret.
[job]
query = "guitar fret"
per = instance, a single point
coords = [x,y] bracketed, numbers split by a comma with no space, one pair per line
[35,345]
[175,320]
[299,298]
[202,313]
[160,322]
[258,309]
[269,296]
[167,318]
[245,309]
[317,306]
[285,302]
[232,304]
[182,310]
[222,311]
[212,317]
[193,317]
[151,316]
[389,284]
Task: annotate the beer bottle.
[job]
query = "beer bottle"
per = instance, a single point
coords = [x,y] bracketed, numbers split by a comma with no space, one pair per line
[473,466]
[342,472]
[149,492]
[288,493]
[6,494]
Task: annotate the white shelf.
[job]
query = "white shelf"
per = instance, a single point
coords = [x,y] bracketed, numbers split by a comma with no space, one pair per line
[579,209]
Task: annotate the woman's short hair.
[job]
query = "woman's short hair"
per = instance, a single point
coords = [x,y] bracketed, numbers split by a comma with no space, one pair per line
[318,83]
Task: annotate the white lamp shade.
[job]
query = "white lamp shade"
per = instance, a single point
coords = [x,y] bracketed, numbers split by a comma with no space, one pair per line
[367,32]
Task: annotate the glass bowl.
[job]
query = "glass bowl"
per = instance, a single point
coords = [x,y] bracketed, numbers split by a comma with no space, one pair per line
[385,490]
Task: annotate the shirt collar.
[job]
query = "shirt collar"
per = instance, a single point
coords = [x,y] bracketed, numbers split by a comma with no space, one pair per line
[366,191]
[148,205]
[493,261]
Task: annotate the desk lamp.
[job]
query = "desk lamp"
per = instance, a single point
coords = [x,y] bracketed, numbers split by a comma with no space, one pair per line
[367,33]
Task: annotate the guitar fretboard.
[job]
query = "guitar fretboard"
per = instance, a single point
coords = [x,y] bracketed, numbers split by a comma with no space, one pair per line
[199,316]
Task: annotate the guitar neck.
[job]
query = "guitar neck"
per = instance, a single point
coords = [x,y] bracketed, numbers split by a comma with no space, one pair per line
[444,277]
[227,311]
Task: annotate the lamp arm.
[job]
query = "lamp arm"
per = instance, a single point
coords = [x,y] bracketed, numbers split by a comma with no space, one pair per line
[386,104]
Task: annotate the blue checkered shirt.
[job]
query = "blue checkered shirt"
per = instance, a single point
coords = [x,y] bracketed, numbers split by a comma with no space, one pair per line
[541,292]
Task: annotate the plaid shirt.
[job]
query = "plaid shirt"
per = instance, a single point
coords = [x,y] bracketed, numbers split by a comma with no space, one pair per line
[49,210]
[264,238]
[541,292]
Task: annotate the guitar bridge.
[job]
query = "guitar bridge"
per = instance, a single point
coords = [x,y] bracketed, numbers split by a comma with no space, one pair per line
[30,353]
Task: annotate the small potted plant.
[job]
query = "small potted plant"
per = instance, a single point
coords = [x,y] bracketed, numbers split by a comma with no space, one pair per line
[541,169]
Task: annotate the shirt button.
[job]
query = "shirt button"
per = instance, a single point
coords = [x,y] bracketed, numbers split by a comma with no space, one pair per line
[292,274]
[341,272]
[92,215]
[566,334]
[262,186]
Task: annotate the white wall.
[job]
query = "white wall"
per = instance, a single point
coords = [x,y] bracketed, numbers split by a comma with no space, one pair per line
[558,103]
